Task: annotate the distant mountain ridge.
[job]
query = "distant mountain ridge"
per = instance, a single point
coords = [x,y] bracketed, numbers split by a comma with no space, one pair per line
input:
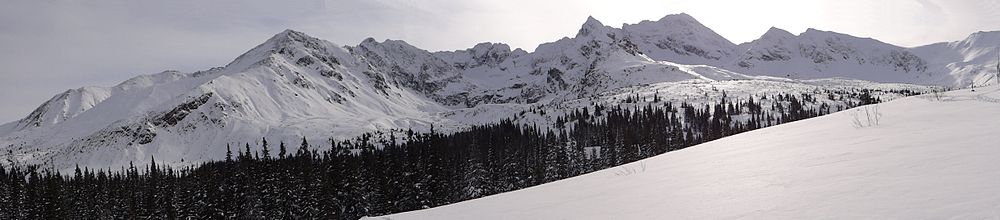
[295,85]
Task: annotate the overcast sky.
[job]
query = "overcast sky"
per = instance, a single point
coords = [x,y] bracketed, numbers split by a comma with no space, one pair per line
[49,46]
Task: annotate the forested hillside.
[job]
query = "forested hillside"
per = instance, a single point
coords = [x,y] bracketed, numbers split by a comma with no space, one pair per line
[381,173]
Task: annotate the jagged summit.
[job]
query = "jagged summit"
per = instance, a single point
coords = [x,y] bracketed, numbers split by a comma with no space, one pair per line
[285,42]
[680,38]
[487,54]
[592,22]
[369,40]
[490,46]
[287,34]
[287,38]
[591,27]
[389,46]
[373,41]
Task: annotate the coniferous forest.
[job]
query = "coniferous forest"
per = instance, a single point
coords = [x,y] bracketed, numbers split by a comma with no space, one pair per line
[381,174]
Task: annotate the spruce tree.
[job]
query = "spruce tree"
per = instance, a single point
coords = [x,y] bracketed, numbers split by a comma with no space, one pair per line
[266,153]
[229,154]
[281,150]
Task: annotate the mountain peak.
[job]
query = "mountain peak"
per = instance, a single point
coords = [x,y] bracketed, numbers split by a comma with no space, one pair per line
[288,35]
[814,30]
[489,46]
[983,38]
[590,26]
[592,22]
[369,41]
[674,21]
[283,42]
[678,17]
[679,38]
[288,32]
[818,32]
[775,32]
[390,45]
[821,34]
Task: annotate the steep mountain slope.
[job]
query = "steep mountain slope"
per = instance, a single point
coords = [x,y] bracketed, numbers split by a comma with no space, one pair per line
[680,38]
[927,157]
[290,86]
[62,107]
[971,60]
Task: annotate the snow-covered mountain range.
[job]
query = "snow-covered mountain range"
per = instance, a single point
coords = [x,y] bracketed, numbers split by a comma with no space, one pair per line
[295,85]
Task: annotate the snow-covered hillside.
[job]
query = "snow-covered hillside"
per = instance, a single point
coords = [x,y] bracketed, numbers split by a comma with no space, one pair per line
[823,54]
[295,85]
[290,86]
[971,60]
[63,106]
[928,157]
[680,38]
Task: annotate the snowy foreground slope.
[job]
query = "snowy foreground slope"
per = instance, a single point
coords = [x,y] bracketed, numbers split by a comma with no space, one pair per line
[929,157]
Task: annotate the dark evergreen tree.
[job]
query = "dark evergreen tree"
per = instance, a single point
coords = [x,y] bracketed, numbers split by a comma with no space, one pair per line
[264,150]
[281,150]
